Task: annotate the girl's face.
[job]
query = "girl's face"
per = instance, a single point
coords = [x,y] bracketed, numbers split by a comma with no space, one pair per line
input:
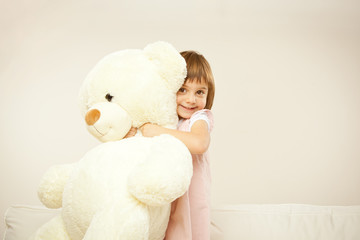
[191,97]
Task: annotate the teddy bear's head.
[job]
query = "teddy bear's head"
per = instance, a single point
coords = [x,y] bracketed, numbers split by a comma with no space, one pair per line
[131,87]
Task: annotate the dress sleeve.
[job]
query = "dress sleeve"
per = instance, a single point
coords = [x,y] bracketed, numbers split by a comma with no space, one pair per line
[205,115]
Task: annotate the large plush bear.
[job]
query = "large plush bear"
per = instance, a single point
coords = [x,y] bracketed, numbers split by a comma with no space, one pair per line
[122,189]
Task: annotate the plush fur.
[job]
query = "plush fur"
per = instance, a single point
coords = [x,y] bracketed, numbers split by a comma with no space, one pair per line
[122,189]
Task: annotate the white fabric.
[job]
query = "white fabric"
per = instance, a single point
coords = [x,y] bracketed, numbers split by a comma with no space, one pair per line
[200,115]
[234,222]
[22,221]
[287,222]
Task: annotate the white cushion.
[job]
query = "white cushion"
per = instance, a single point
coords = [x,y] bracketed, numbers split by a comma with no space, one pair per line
[22,221]
[233,222]
[287,222]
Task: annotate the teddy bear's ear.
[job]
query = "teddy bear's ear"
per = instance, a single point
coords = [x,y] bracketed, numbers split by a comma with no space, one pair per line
[171,65]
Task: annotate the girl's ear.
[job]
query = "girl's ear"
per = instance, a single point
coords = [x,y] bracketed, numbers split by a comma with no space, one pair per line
[170,64]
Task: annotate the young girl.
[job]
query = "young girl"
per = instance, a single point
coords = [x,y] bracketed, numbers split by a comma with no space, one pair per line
[190,214]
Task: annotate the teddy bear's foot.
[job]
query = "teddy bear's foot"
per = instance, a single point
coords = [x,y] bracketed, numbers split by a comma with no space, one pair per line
[54,230]
[165,175]
[117,223]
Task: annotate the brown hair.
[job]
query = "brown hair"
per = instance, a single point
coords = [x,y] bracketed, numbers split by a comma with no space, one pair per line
[198,69]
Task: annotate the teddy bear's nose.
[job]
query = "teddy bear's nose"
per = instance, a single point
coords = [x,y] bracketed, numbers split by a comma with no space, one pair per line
[92,116]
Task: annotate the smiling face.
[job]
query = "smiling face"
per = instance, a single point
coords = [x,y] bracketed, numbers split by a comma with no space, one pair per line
[191,97]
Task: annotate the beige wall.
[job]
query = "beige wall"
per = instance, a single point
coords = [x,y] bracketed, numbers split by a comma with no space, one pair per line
[287,101]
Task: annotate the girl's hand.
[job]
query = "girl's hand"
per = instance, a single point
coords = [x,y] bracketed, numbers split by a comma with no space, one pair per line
[151,130]
[131,132]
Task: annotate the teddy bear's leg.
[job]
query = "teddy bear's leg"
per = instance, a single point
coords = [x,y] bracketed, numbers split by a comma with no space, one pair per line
[54,230]
[165,175]
[118,223]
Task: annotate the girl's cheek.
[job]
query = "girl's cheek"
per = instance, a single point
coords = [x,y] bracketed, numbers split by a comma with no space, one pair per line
[178,99]
[203,103]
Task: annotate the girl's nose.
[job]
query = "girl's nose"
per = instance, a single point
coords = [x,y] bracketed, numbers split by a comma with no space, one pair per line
[191,98]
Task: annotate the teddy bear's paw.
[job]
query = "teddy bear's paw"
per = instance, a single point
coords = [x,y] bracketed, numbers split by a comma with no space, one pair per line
[117,222]
[54,230]
[52,185]
[165,175]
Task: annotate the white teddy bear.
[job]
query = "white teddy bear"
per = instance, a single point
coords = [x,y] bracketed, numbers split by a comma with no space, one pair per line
[122,189]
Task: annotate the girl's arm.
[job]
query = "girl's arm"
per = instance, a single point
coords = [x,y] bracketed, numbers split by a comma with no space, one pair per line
[131,132]
[197,140]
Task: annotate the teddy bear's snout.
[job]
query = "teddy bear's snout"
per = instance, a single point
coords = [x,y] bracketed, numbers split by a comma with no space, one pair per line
[92,116]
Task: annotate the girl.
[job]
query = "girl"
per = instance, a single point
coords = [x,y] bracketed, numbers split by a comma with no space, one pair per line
[190,214]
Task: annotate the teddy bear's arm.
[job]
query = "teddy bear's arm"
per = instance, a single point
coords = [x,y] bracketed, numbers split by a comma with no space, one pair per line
[52,185]
[166,173]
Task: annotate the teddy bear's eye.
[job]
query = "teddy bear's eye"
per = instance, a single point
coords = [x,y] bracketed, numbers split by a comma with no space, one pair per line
[108,97]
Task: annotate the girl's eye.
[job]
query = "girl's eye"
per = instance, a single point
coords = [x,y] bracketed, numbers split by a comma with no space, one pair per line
[109,97]
[200,92]
[182,90]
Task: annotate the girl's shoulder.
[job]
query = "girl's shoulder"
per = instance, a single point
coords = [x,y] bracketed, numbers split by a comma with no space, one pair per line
[204,114]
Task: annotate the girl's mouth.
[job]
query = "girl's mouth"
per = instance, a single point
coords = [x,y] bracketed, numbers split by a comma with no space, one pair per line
[188,108]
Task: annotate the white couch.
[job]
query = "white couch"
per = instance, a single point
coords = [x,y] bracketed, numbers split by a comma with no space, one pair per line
[234,222]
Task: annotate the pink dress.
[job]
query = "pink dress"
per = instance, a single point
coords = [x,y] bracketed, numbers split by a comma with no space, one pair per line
[190,214]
